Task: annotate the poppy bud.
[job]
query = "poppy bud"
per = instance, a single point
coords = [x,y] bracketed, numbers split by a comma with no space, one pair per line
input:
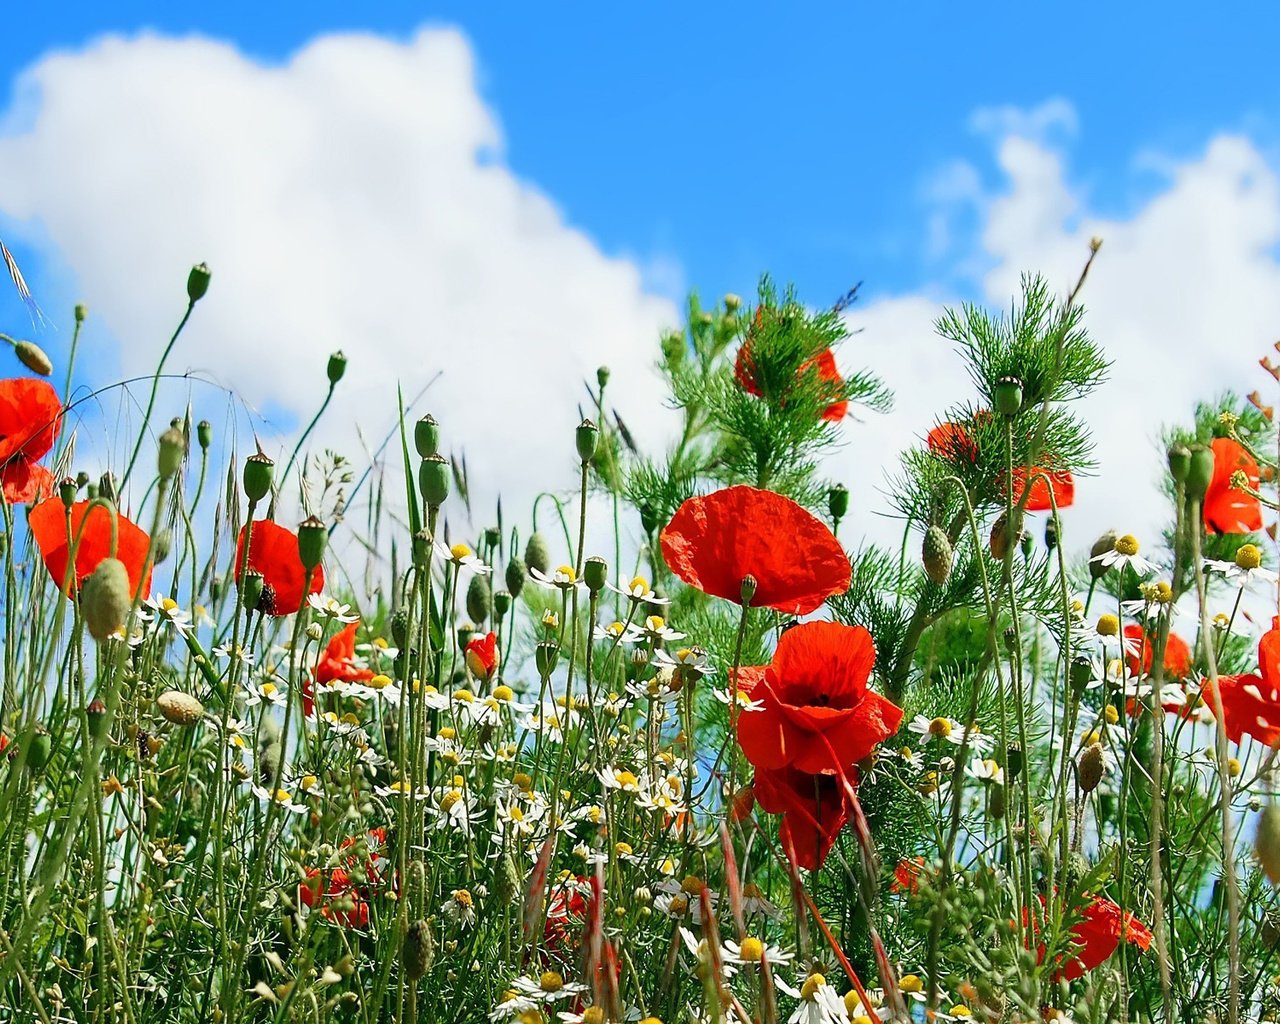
[1200,472]
[545,656]
[105,598]
[426,436]
[1008,396]
[492,536]
[648,518]
[585,437]
[1090,768]
[215,587]
[173,446]
[337,367]
[1266,844]
[313,537]
[838,501]
[602,376]
[1028,545]
[82,312]
[996,801]
[1001,535]
[501,603]
[67,488]
[1101,546]
[161,545]
[936,555]
[400,628]
[198,282]
[418,951]
[39,749]
[594,572]
[1051,533]
[90,492]
[1179,462]
[479,596]
[536,555]
[107,486]
[204,434]
[32,356]
[251,584]
[179,708]
[258,474]
[515,574]
[96,713]
[1013,761]
[465,632]
[433,480]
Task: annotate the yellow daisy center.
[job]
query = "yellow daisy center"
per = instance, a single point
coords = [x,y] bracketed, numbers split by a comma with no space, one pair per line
[450,799]
[809,990]
[567,572]
[911,983]
[1126,545]
[940,727]
[692,885]
[446,732]
[503,692]
[751,949]
[1111,714]
[465,696]
[640,583]
[459,552]
[626,778]
[379,682]
[462,897]
[654,623]
[1108,625]
[1249,557]
[308,781]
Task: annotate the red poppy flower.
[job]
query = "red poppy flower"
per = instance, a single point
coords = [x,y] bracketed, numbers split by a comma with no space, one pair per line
[338,660]
[747,375]
[714,542]
[1059,483]
[483,656]
[906,875]
[30,415]
[813,810]
[1251,704]
[273,552]
[951,441]
[1177,655]
[1227,510]
[1100,933]
[48,524]
[818,713]
[355,907]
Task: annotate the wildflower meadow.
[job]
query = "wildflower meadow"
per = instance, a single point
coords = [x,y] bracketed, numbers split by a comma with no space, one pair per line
[669,743]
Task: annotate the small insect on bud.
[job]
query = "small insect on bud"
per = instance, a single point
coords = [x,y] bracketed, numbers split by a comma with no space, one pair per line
[536,555]
[179,708]
[33,357]
[479,596]
[1106,542]
[1266,844]
[595,571]
[1008,396]
[1090,768]
[259,472]
[545,656]
[1179,462]
[747,589]
[173,447]
[251,584]
[936,554]
[426,436]
[515,574]
[1200,472]
[313,538]
[82,312]
[602,377]
[105,598]
[838,501]
[586,437]
[198,282]
[204,434]
[67,488]
[418,951]
[336,367]
[433,480]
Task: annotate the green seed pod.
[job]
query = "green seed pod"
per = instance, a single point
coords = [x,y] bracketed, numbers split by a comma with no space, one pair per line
[39,751]
[313,538]
[501,603]
[1010,638]
[595,572]
[401,628]
[426,436]
[936,555]
[422,549]
[433,480]
[838,501]
[215,587]
[258,474]
[198,282]
[204,434]
[33,357]
[602,377]
[67,488]
[1101,546]
[536,555]
[1080,674]
[545,656]
[515,575]
[173,447]
[1266,843]
[251,584]
[479,596]
[586,437]
[1200,472]
[179,708]
[336,367]
[82,312]
[1008,396]
[1179,463]
[417,952]
[1090,768]
[105,598]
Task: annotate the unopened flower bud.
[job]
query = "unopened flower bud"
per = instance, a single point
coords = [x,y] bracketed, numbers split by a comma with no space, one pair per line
[536,555]
[936,555]
[1001,535]
[82,312]
[313,538]
[39,750]
[1106,542]
[336,367]
[426,436]
[198,283]
[161,545]
[602,377]
[586,437]
[179,708]
[1090,768]
[1266,844]
[1008,396]
[595,571]
[674,348]
[479,596]
[418,950]
[1051,533]
[996,801]
[433,480]
[838,501]
[1200,472]
[173,446]
[33,357]
[259,471]
[105,598]
[515,574]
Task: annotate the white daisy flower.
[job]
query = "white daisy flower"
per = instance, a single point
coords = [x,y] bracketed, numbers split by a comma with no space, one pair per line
[987,770]
[819,1002]
[1124,552]
[265,692]
[463,557]
[655,629]
[280,797]
[1247,567]
[330,608]
[548,987]
[638,590]
[563,578]
[687,659]
[460,908]
[166,610]
[752,951]
[617,632]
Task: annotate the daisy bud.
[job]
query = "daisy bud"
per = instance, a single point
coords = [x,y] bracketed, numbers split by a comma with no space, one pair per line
[179,708]
[422,549]
[595,572]
[1179,462]
[204,434]
[67,488]
[936,555]
[258,473]
[1106,542]
[501,603]
[313,538]
[748,588]
[479,596]
[536,555]
[732,303]
[586,437]
[39,750]
[515,575]
[838,501]
[251,584]
[602,377]
[1266,844]
[433,480]
[173,446]
[1051,534]
[418,950]
[198,282]
[82,312]
[336,367]
[545,656]
[32,356]
[1008,396]
[426,436]
[673,348]
[105,598]
[1200,472]
[1090,768]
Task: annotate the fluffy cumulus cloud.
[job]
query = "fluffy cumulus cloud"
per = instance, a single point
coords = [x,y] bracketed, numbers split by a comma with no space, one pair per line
[353,197]
[1184,297]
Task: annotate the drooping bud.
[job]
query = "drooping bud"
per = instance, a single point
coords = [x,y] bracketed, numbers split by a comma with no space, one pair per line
[1051,533]
[259,471]
[838,501]
[585,437]
[536,555]
[1090,768]
[426,436]
[433,480]
[400,628]
[1200,472]
[162,545]
[595,571]
[1008,396]
[479,596]
[313,538]
[1106,542]
[1266,843]
[545,656]
[173,446]
[492,537]
[1179,462]
[198,282]
[336,367]
[179,708]
[105,598]
[515,575]
[1028,545]
[936,554]
[418,950]
[996,801]
[33,357]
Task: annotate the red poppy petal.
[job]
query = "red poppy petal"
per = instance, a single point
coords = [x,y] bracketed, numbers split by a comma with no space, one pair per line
[24,482]
[30,416]
[48,524]
[1227,510]
[766,738]
[1060,484]
[822,658]
[273,552]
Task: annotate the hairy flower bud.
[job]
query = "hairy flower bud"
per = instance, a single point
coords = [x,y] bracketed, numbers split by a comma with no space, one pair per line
[418,950]
[39,750]
[33,357]
[479,596]
[936,554]
[1051,533]
[198,282]
[515,575]
[173,446]
[1002,535]
[1090,768]
[536,555]
[105,598]
[179,708]
[433,480]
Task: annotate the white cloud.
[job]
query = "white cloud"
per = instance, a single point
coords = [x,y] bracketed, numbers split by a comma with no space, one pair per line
[352,197]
